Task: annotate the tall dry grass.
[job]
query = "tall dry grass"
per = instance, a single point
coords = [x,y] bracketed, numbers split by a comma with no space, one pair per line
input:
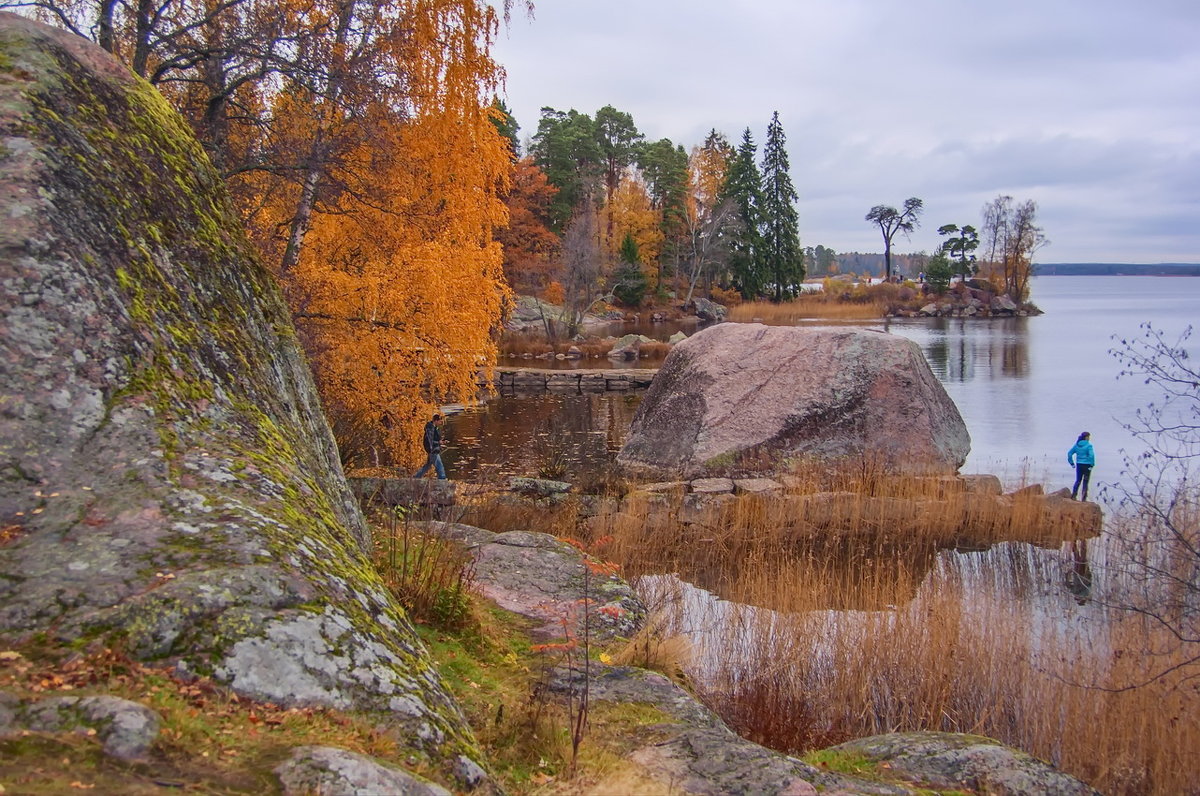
[851,621]
[837,301]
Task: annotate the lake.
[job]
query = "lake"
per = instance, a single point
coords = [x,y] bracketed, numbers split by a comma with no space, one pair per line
[1026,387]
[1002,635]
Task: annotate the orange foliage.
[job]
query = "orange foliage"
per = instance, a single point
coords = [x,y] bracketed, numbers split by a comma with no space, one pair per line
[530,247]
[634,214]
[554,293]
[399,291]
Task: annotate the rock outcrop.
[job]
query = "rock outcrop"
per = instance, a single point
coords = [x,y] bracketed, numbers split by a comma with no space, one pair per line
[943,760]
[126,729]
[734,392]
[168,483]
[547,581]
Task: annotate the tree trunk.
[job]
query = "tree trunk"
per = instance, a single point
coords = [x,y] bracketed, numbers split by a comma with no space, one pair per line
[104,25]
[304,208]
[141,44]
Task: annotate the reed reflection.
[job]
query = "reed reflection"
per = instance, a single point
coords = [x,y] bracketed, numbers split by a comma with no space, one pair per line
[962,350]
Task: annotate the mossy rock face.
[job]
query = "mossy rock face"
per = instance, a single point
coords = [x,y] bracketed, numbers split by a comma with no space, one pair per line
[167,479]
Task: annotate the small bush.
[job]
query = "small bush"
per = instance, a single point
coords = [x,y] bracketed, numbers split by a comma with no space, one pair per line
[430,576]
[729,298]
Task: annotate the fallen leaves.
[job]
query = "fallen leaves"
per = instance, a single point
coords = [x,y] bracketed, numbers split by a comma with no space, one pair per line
[10,534]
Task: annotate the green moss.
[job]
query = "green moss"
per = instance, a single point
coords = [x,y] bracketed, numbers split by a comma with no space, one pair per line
[136,173]
[841,763]
[721,461]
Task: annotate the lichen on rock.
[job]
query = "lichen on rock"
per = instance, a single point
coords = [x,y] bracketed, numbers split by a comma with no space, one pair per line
[162,447]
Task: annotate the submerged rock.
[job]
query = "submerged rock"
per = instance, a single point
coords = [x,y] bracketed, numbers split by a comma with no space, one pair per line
[173,484]
[735,392]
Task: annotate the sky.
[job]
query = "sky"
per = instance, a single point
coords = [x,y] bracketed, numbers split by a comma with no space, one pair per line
[1091,109]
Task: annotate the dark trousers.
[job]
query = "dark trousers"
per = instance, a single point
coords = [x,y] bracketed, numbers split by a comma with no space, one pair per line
[1083,474]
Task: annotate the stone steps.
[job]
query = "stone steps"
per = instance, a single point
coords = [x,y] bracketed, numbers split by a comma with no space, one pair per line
[517,381]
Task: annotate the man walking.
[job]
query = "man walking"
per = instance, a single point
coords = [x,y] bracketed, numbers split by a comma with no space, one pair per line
[432,442]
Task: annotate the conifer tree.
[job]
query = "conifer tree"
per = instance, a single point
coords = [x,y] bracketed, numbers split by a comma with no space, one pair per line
[630,285]
[782,257]
[743,187]
[565,147]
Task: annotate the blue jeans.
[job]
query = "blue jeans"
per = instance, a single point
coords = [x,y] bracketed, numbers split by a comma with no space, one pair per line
[1083,474]
[435,460]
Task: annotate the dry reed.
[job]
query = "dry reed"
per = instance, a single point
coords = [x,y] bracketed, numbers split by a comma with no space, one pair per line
[806,308]
[868,628]
[837,301]
[535,345]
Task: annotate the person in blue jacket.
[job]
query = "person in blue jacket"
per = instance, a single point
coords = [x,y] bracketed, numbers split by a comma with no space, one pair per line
[1084,458]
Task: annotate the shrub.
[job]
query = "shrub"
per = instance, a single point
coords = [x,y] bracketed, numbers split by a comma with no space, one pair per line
[430,576]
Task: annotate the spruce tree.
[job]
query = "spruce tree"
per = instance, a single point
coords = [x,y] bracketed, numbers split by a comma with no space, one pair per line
[782,257]
[630,285]
[743,187]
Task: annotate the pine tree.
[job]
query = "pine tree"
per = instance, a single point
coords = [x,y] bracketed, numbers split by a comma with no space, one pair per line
[782,257]
[743,187]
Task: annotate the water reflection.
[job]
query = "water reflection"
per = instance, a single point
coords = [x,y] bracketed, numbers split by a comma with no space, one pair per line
[1079,576]
[569,436]
[963,349]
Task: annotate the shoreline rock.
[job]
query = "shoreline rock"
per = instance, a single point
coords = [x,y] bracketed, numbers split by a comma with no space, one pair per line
[736,393]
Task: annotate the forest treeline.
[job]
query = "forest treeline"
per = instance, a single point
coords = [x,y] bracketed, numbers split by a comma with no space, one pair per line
[598,209]
[386,186]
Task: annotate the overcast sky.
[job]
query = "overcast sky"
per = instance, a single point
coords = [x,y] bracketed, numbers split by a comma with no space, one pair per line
[1092,109]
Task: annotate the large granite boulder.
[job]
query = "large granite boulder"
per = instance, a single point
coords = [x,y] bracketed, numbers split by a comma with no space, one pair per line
[167,481]
[736,391]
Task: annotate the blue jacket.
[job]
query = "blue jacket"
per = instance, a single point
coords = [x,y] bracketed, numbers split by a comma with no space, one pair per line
[1082,453]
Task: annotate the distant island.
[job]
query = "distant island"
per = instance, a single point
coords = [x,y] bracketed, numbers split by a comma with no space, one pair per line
[1117,269]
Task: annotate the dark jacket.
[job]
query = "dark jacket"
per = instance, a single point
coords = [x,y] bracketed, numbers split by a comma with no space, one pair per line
[433,438]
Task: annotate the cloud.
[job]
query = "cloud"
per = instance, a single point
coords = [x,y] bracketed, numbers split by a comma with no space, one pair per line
[1091,110]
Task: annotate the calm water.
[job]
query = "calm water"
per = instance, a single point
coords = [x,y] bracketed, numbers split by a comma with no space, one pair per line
[1025,386]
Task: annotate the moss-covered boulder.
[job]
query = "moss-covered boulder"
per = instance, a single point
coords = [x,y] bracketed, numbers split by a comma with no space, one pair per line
[167,480]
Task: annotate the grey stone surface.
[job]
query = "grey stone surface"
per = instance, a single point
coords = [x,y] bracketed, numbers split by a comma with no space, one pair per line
[538,487]
[329,771]
[665,487]
[628,346]
[945,760]
[125,729]
[711,486]
[546,580]
[756,486]
[708,310]
[983,483]
[767,393]
[162,446]
[405,491]
[694,750]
